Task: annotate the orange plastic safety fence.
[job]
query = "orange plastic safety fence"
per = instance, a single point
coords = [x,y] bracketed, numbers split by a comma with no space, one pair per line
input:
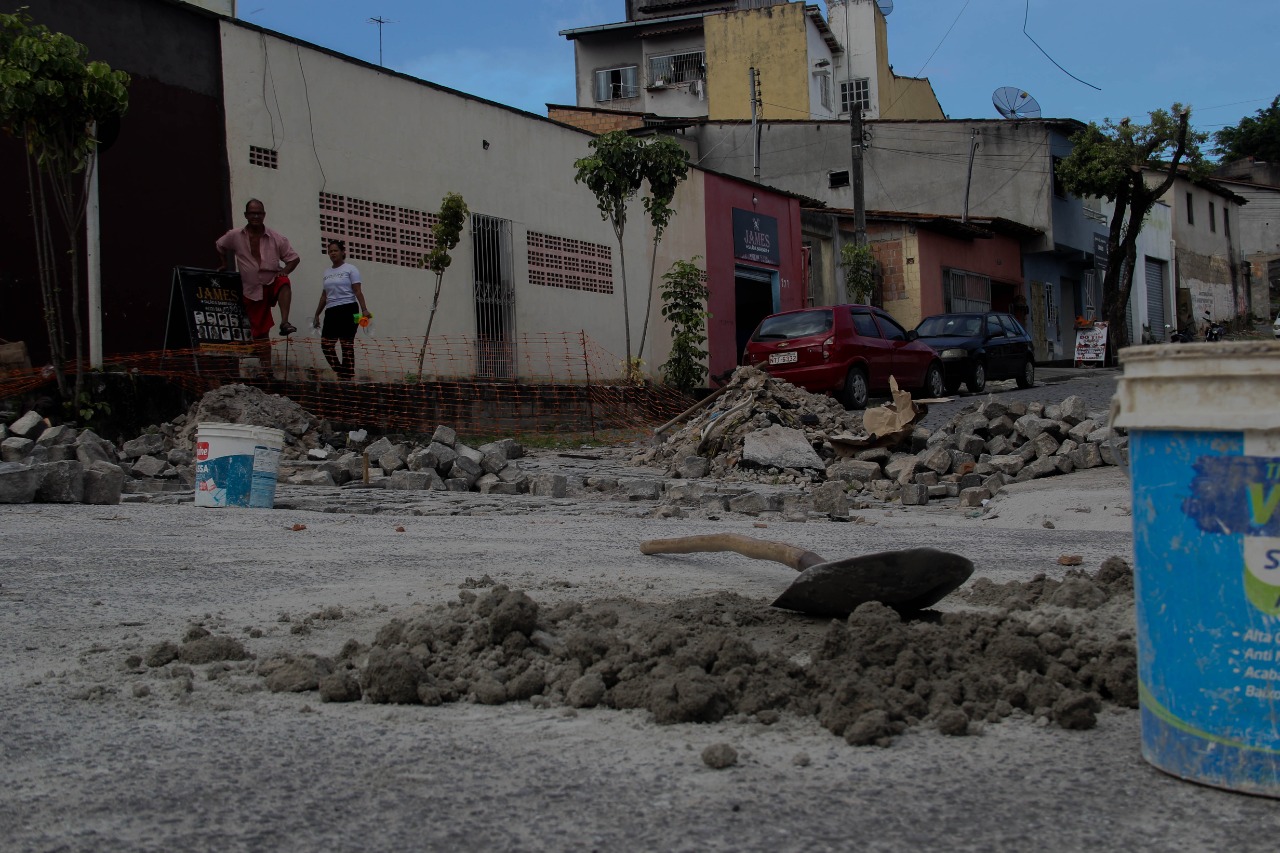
[545,382]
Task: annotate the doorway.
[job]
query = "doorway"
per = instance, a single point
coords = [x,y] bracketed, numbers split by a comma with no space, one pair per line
[495,297]
[755,296]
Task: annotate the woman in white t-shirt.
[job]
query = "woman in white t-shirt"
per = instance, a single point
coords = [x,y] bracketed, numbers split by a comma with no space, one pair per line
[341,296]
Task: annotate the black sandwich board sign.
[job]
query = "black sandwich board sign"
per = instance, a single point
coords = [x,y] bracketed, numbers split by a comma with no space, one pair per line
[206,314]
[205,310]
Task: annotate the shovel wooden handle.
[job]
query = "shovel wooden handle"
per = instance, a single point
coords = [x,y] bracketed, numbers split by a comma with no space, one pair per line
[757,549]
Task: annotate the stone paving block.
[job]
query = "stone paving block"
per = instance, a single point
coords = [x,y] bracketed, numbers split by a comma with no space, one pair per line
[60,482]
[915,495]
[18,483]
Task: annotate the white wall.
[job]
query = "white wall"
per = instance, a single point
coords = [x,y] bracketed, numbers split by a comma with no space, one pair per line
[344,127]
[853,24]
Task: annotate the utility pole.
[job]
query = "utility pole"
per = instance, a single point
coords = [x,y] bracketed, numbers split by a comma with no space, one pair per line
[379,20]
[855,173]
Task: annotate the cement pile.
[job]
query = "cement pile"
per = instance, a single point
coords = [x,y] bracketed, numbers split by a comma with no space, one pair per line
[1056,650]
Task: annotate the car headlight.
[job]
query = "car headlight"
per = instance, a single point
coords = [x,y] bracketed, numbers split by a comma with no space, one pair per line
[955,353]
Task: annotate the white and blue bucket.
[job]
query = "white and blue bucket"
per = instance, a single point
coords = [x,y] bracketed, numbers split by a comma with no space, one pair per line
[236,465]
[1204,456]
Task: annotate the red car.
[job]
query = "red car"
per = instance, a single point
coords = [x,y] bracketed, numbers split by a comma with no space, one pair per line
[848,350]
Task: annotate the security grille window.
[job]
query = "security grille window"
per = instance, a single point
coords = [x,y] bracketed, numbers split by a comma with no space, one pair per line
[616,83]
[677,68]
[855,92]
[374,231]
[572,264]
[967,291]
[495,297]
[264,157]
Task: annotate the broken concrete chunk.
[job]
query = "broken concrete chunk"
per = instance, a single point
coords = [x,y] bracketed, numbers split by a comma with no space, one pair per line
[780,447]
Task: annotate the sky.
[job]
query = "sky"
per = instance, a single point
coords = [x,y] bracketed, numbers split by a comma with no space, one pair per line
[1095,59]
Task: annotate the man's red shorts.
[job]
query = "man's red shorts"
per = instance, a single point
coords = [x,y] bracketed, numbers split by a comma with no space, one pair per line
[259,310]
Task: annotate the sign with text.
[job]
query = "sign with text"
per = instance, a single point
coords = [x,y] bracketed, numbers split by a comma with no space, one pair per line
[1101,253]
[1091,344]
[755,237]
[207,304]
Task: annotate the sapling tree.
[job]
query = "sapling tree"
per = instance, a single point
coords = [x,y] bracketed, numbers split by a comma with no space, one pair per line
[859,272]
[616,172]
[445,235]
[51,95]
[684,305]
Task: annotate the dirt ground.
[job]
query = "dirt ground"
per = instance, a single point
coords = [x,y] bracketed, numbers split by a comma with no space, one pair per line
[109,745]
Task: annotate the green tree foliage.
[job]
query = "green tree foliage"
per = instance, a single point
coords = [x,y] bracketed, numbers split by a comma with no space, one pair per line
[615,173]
[445,234]
[1111,161]
[684,305]
[1255,136]
[50,98]
[859,272]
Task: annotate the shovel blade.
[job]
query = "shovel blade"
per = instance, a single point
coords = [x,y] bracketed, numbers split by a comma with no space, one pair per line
[908,580]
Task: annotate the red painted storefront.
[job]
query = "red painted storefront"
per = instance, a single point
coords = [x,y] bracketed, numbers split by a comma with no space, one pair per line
[754,266]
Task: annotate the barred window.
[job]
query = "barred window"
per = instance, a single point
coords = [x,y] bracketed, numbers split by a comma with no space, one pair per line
[855,92]
[376,231]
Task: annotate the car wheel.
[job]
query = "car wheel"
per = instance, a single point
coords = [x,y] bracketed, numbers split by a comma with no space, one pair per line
[933,384]
[855,389]
[978,380]
[1028,376]
[953,385]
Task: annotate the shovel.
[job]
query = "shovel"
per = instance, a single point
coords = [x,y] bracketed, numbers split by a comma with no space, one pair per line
[908,580]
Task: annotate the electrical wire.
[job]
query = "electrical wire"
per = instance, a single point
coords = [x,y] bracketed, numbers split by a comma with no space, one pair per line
[1025,18]
[266,59]
[324,179]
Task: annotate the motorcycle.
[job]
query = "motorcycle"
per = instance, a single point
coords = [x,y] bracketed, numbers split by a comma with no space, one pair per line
[1185,335]
[1214,330]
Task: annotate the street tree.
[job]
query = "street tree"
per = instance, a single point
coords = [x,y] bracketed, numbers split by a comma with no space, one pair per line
[616,173]
[1131,165]
[51,98]
[445,236]
[1256,136]
[684,305]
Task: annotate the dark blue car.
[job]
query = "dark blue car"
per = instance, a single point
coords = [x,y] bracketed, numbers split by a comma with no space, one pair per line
[977,347]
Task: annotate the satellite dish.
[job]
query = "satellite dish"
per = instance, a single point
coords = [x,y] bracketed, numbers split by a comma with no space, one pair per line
[1012,102]
[886,6]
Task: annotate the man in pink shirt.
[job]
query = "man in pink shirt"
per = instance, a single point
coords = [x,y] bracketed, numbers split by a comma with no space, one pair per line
[264,259]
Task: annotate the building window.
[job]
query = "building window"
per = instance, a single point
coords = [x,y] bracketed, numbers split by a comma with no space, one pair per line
[1226,224]
[824,88]
[677,68]
[1059,189]
[965,291]
[1213,219]
[1093,208]
[617,83]
[573,264]
[374,231]
[264,157]
[839,179]
[855,92]
[1191,210]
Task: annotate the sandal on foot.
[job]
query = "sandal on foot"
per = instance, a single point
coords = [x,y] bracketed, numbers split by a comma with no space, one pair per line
[287,328]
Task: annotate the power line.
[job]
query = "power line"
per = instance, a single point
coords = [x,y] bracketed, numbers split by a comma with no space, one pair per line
[1046,53]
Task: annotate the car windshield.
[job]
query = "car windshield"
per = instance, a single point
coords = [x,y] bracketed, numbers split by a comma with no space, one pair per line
[950,325]
[800,324]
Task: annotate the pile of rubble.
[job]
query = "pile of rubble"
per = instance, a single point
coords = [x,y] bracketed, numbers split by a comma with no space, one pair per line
[1054,650]
[766,430]
[45,463]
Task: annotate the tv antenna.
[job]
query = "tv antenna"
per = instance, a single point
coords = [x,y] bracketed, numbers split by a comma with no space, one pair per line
[886,7]
[379,20]
[1012,102]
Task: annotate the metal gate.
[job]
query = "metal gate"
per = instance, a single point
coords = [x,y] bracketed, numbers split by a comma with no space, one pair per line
[495,297]
[1155,299]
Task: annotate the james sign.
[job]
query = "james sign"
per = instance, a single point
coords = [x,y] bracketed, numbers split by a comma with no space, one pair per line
[755,237]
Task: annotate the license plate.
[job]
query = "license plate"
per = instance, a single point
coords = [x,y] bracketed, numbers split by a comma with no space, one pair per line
[782,357]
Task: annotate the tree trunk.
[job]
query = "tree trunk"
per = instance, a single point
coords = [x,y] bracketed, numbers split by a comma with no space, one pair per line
[626,312]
